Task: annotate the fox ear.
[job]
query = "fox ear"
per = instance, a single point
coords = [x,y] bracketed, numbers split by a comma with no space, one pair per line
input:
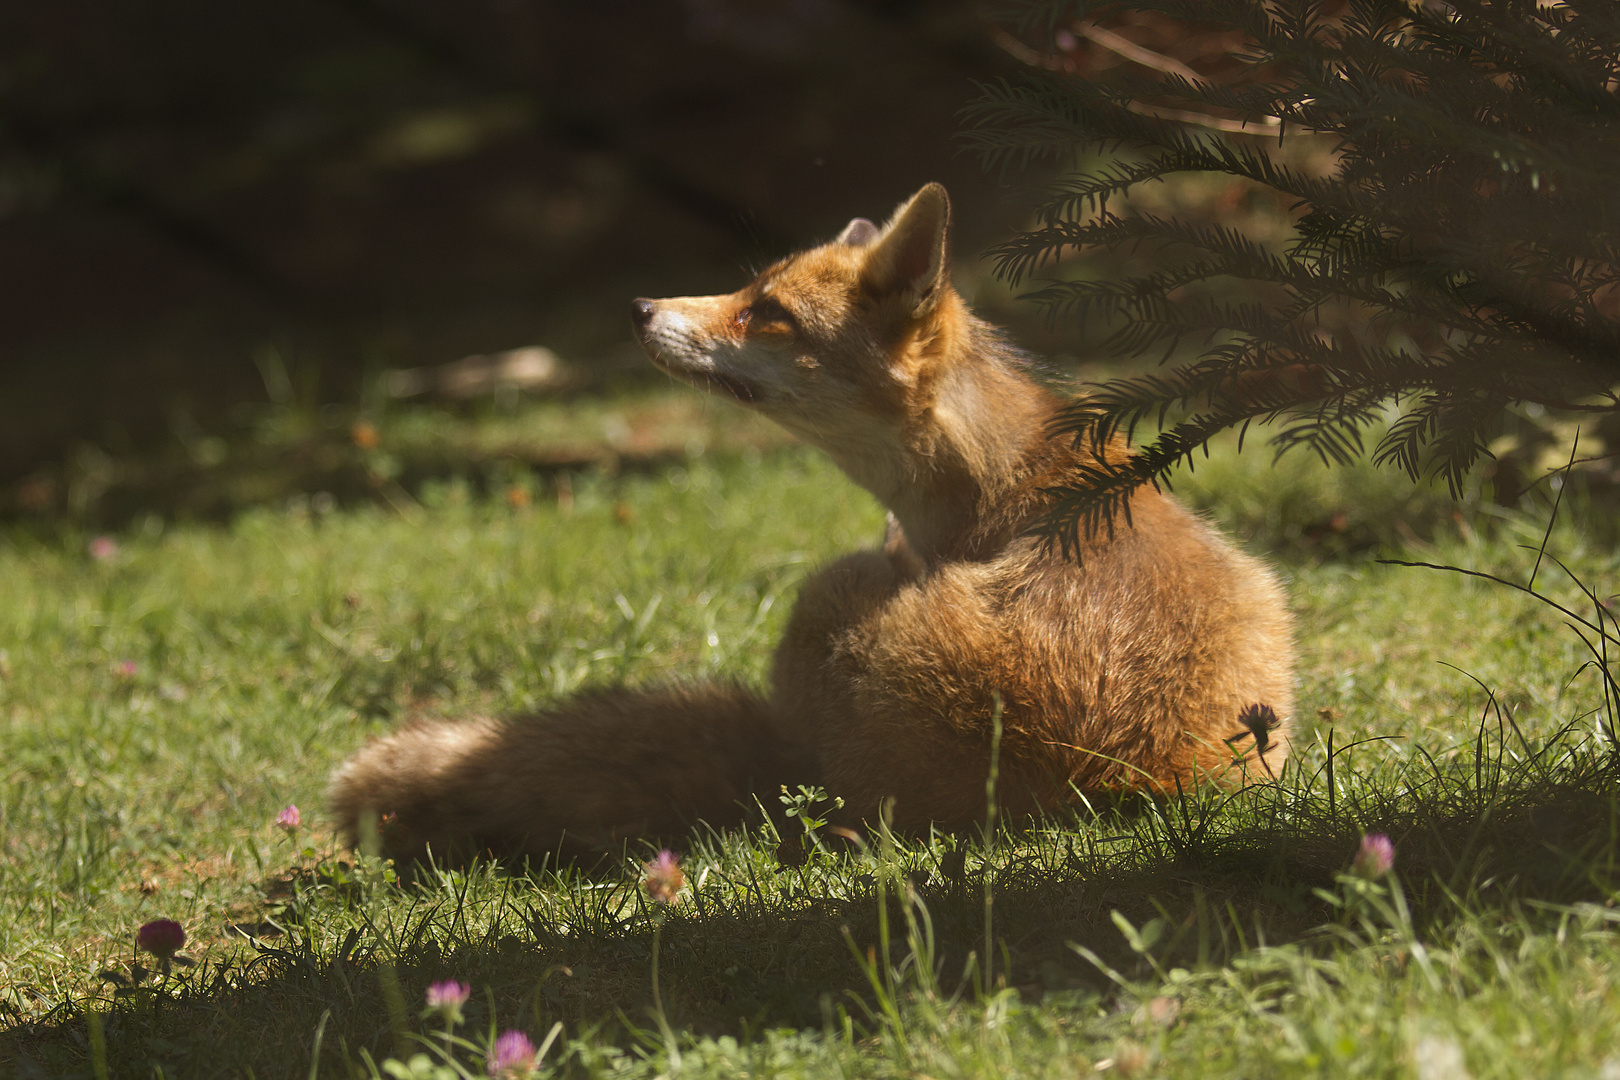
[910,258]
[858,233]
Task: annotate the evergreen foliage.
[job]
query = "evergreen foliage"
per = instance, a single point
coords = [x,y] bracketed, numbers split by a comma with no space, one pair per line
[1453,251]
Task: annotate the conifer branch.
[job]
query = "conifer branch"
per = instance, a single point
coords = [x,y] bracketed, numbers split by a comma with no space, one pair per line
[1454,248]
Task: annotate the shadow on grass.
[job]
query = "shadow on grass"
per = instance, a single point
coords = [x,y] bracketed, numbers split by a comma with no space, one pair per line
[755,946]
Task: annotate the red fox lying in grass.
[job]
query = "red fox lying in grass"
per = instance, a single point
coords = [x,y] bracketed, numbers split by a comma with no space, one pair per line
[1135,666]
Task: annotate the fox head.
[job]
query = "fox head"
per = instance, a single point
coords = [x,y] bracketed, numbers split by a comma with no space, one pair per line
[849,345]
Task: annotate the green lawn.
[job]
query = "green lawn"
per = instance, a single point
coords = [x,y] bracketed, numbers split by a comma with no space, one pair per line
[160,705]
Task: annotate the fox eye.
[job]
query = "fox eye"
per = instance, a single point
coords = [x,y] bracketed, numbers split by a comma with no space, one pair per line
[767,315]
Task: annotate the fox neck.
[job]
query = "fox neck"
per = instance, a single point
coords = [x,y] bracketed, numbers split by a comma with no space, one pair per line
[975,433]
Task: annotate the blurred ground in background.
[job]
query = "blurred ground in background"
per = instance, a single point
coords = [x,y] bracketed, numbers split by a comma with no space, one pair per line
[198,200]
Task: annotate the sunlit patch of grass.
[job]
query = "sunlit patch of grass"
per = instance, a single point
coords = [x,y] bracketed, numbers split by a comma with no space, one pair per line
[161,702]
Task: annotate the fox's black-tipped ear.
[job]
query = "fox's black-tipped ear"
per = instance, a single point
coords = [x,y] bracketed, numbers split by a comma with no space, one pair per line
[858,233]
[910,258]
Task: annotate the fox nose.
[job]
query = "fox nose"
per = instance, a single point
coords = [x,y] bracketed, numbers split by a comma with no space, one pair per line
[641,312]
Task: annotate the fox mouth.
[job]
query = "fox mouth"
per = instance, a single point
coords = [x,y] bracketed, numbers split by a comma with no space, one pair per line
[735,387]
[708,380]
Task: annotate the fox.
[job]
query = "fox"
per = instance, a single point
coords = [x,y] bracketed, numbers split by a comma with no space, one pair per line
[1156,655]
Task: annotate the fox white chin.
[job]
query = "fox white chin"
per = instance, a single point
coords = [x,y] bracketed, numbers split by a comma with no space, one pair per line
[667,340]
[708,379]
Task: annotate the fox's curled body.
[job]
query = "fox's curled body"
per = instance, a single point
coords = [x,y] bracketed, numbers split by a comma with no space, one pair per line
[1128,667]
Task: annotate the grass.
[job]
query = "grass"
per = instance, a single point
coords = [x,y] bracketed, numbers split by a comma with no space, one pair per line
[161,703]
[303,453]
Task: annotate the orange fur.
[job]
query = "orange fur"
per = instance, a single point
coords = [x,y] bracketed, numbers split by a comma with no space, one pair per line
[1125,669]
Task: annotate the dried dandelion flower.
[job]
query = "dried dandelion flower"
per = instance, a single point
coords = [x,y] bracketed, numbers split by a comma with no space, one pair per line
[161,937]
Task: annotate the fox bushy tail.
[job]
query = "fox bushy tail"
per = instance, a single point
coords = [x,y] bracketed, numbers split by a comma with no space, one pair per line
[569,783]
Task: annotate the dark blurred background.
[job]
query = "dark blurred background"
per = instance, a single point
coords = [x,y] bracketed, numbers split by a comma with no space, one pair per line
[197,197]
